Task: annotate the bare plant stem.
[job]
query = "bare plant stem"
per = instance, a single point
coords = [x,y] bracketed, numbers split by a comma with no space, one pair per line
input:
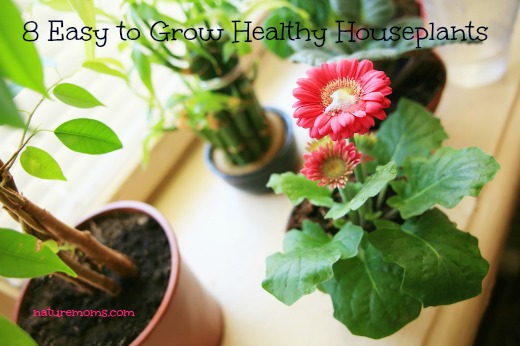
[45,226]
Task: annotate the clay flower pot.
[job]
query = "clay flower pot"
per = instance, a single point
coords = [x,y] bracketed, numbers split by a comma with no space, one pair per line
[187,314]
[281,157]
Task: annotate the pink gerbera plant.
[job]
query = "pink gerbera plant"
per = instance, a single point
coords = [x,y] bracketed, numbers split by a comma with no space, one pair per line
[341,98]
[331,163]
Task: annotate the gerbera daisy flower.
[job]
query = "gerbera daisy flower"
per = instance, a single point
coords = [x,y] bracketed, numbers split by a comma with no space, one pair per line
[331,164]
[341,98]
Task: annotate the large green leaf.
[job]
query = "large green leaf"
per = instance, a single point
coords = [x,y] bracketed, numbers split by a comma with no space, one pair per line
[442,179]
[19,60]
[442,264]
[8,113]
[40,164]
[23,256]
[366,295]
[75,96]
[308,260]
[372,186]
[297,188]
[410,131]
[371,12]
[13,335]
[88,136]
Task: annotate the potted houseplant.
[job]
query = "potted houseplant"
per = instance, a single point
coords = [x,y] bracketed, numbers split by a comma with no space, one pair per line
[366,229]
[355,29]
[216,99]
[87,263]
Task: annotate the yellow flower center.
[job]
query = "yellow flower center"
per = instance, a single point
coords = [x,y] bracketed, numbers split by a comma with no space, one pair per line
[334,168]
[340,95]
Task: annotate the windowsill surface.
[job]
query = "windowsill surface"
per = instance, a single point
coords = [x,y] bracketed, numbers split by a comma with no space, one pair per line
[225,234]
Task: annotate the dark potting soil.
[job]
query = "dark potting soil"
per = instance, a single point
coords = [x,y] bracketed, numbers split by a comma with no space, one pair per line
[142,239]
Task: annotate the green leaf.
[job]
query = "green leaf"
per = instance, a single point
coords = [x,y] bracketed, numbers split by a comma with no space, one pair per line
[8,113]
[24,256]
[88,136]
[75,96]
[13,335]
[372,12]
[58,5]
[40,164]
[442,264]
[410,131]
[372,186]
[19,60]
[142,63]
[376,12]
[366,295]
[297,188]
[103,67]
[443,179]
[87,12]
[308,261]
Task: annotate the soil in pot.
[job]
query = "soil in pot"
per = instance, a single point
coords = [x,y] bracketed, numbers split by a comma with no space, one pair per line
[141,238]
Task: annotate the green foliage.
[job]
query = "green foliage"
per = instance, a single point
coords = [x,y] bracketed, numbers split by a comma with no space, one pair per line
[40,164]
[373,185]
[88,136]
[411,254]
[443,179]
[442,264]
[75,96]
[297,188]
[12,335]
[24,256]
[371,12]
[410,131]
[19,60]
[308,259]
[8,112]
[366,295]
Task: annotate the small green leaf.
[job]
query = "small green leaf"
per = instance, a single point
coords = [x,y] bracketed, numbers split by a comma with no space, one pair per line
[75,96]
[13,335]
[88,136]
[410,131]
[442,264]
[443,179]
[19,60]
[40,164]
[8,113]
[373,185]
[142,63]
[308,261]
[102,67]
[366,295]
[297,188]
[22,256]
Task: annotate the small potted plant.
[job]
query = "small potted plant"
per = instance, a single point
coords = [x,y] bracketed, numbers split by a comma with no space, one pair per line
[355,29]
[366,229]
[104,264]
[214,97]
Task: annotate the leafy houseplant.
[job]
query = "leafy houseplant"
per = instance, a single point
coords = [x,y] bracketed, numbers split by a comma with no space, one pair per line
[49,246]
[366,227]
[217,101]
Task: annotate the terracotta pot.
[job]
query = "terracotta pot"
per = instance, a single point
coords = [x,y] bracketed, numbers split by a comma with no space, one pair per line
[255,177]
[188,315]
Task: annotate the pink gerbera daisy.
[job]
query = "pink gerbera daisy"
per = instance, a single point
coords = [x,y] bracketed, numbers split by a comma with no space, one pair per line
[331,164]
[341,98]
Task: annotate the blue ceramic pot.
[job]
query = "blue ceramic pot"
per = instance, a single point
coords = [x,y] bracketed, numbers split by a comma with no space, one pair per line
[285,160]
